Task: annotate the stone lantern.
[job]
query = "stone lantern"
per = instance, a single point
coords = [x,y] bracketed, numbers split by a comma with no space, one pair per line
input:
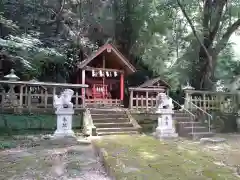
[187,90]
[188,87]
[11,93]
[12,76]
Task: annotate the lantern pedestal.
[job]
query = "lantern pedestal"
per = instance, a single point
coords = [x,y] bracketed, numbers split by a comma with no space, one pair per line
[64,122]
[165,127]
[64,112]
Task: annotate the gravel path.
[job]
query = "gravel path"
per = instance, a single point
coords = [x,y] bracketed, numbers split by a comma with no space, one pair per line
[51,159]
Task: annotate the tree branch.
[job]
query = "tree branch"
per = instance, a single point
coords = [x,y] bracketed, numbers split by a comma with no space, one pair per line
[206,17]
[57,14]
[224,40]
[217,16]
[193,30]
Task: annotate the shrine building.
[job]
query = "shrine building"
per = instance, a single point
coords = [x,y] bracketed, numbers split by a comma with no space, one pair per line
[104,71]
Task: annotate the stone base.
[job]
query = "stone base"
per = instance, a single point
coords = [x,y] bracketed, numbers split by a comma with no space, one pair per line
[213,140]
[163,133]
[60,134]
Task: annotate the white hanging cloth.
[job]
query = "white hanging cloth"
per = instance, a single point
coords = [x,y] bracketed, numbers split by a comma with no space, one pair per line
[101,73]
[115,74]
[93,73]
[107,74]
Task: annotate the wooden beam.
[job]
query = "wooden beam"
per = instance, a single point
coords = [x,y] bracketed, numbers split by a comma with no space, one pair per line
[147,89]
[27,83]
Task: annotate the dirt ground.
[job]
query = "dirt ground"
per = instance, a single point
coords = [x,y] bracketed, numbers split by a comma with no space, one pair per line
[36,159]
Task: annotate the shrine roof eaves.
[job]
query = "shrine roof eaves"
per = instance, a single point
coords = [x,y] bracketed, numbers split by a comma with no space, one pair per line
[153,81]
[84,63]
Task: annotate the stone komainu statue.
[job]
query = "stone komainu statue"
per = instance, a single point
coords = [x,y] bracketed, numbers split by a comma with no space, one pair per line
[64,101]
[164,102]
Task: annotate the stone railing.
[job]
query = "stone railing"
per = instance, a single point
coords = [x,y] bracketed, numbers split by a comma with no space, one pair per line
[143,99]
[226,102]
[19,96]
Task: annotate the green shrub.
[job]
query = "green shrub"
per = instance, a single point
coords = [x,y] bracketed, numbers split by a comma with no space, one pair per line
[7,145]
[224,122]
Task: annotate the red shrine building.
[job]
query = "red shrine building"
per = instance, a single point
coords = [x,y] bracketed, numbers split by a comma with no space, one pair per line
[104,71]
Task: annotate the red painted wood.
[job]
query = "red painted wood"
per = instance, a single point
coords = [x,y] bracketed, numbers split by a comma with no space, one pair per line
[100,91]
[121,86]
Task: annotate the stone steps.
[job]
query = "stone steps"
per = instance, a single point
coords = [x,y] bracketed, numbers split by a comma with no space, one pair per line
[117,133]
[186,131]
[183,119]
[110,111]
[121,129]
[180,114]
[103,115]
[186,126]
[199,135]
[112,121]
[113,125]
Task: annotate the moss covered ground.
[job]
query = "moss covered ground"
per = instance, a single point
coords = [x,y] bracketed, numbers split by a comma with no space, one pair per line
[137,157]
[38,159]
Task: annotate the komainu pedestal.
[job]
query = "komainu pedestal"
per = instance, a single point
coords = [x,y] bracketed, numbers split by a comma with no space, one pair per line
[64,112]
[166,127]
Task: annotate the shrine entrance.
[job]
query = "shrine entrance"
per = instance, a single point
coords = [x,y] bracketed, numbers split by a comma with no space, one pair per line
[104,72]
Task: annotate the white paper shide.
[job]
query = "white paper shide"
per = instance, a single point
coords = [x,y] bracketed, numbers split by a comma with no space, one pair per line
[165,128]
[64,112]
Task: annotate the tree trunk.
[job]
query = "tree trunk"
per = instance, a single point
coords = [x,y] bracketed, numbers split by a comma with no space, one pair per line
[203,76]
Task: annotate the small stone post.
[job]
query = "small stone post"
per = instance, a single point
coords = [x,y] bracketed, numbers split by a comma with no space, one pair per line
[166,127]
[64,112]
[187,96]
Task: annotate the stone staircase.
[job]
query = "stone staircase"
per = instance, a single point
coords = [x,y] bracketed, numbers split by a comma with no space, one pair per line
[113,121]
[186,126]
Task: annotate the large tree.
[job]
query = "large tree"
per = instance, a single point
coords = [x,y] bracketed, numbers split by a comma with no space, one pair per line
[152,32]
[219,20]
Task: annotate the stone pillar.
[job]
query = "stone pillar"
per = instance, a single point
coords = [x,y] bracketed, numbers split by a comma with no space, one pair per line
[64,122]
[64,112]
[166,127]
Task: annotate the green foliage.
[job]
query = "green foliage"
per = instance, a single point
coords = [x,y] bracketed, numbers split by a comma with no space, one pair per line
[20,124]
[7,23]
[227,66]
[47,38]
[224,122]
[7,145]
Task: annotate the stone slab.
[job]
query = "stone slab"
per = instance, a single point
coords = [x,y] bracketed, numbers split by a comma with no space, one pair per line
[213,140]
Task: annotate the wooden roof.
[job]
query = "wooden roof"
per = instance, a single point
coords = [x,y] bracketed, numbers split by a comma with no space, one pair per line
[153,81]
[109,48]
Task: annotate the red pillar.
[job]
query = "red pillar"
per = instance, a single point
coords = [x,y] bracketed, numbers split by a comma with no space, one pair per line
[121,86]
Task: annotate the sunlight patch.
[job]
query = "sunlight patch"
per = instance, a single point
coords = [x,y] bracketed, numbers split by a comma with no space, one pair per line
[219,163]
[180,147]
[192,152]
[147,155]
